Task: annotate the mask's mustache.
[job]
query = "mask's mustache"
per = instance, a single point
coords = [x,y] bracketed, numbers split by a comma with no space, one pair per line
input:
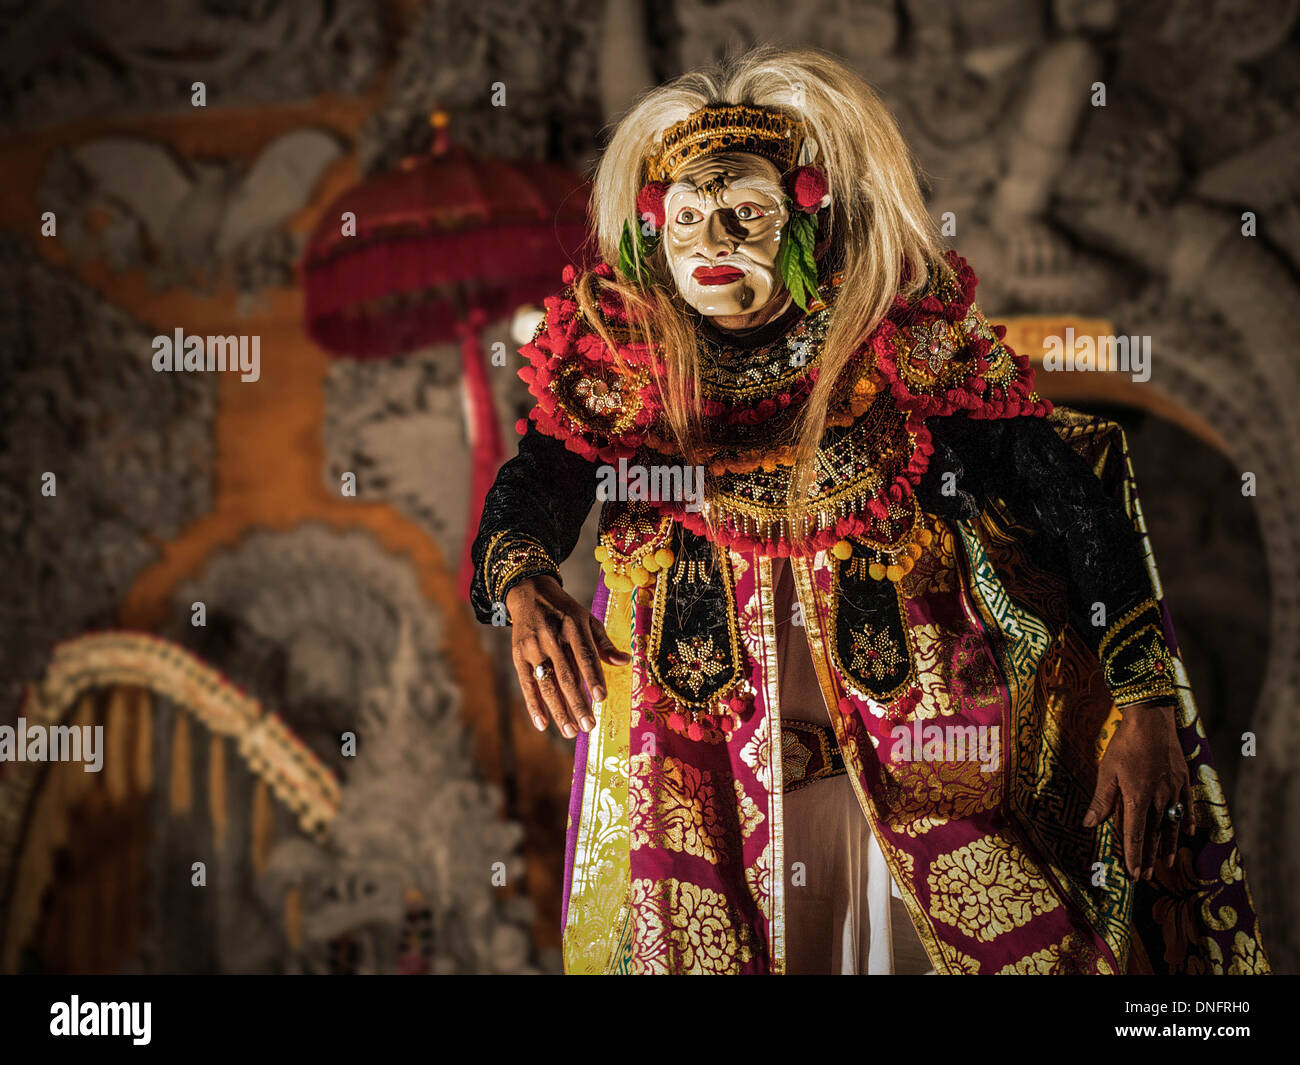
[737,260]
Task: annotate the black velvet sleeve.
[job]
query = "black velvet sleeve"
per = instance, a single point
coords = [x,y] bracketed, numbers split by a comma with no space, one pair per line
[532,517]
[1077,529]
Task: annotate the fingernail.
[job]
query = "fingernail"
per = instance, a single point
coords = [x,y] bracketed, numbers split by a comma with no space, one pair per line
[1169,862]
[598,693]
[1089,819]
[1147,874]
[539,723]
[588,723]
[568,731]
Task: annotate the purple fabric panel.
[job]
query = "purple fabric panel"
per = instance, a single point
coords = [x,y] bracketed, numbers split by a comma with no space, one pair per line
[579,777]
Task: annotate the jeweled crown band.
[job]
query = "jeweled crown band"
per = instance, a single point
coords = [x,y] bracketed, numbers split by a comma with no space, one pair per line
[732,128]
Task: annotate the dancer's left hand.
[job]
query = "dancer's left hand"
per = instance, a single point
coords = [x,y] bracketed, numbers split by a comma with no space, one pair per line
[1141,775]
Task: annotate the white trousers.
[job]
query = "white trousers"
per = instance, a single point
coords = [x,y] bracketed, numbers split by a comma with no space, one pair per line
[844,914]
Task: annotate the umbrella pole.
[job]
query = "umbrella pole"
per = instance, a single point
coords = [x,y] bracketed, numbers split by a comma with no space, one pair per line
[486,450]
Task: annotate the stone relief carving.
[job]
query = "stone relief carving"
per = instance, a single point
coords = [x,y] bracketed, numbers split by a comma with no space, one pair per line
[545,55]
[130,450]
[856,31]
[398,424]
[308,621]
[333,632]
[416,836]
[386,420]
[192,223]
[76,58]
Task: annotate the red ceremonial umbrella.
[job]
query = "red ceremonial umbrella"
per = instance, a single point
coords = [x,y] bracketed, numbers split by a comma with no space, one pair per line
[433,251]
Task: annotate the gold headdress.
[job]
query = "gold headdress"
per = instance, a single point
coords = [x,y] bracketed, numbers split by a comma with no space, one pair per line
[728,128]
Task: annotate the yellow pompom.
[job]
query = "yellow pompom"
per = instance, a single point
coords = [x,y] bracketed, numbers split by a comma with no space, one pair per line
[602,553]
[924,537]
[877,571]
[619,582]
[640,576]
[914,551]
[665,557]
[842,550]
[894,573]
[650,563]
[907,564]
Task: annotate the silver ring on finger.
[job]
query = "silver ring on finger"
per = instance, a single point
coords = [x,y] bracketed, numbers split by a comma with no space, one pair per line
[542,670]
[1174,813]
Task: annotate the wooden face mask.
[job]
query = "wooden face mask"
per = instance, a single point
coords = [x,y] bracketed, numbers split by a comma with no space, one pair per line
[723,219]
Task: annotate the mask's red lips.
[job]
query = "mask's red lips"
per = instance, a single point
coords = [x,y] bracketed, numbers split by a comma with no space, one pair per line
[717,275]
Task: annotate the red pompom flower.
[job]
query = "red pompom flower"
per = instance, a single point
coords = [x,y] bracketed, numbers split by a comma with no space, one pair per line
[650,201]
[807,185]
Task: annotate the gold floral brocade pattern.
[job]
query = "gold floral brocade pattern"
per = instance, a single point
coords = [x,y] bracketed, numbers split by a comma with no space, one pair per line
[1073,955]
[936,570]
[988,887]
[686,928]
[758,878]
[747,810]
[757,753]
[673,806]
[920,795]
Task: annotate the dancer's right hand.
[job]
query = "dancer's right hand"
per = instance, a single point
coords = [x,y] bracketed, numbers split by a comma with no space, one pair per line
[550,628]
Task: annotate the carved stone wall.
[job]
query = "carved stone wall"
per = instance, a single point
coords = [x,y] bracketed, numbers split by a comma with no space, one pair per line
[79,58]
[129,451]
[200,223]
[544,55]
[332,631]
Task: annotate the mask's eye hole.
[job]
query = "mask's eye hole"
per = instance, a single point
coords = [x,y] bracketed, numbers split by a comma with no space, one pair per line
[688,216]
[749,212]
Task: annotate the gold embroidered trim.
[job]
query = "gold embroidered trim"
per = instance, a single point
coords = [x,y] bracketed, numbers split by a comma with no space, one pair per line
[671,686]
[509,556]
[832,630]
[755,503]
[635,543]
[796,756]
[599,397]
[1135,661]
[774,777]
[734,375]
